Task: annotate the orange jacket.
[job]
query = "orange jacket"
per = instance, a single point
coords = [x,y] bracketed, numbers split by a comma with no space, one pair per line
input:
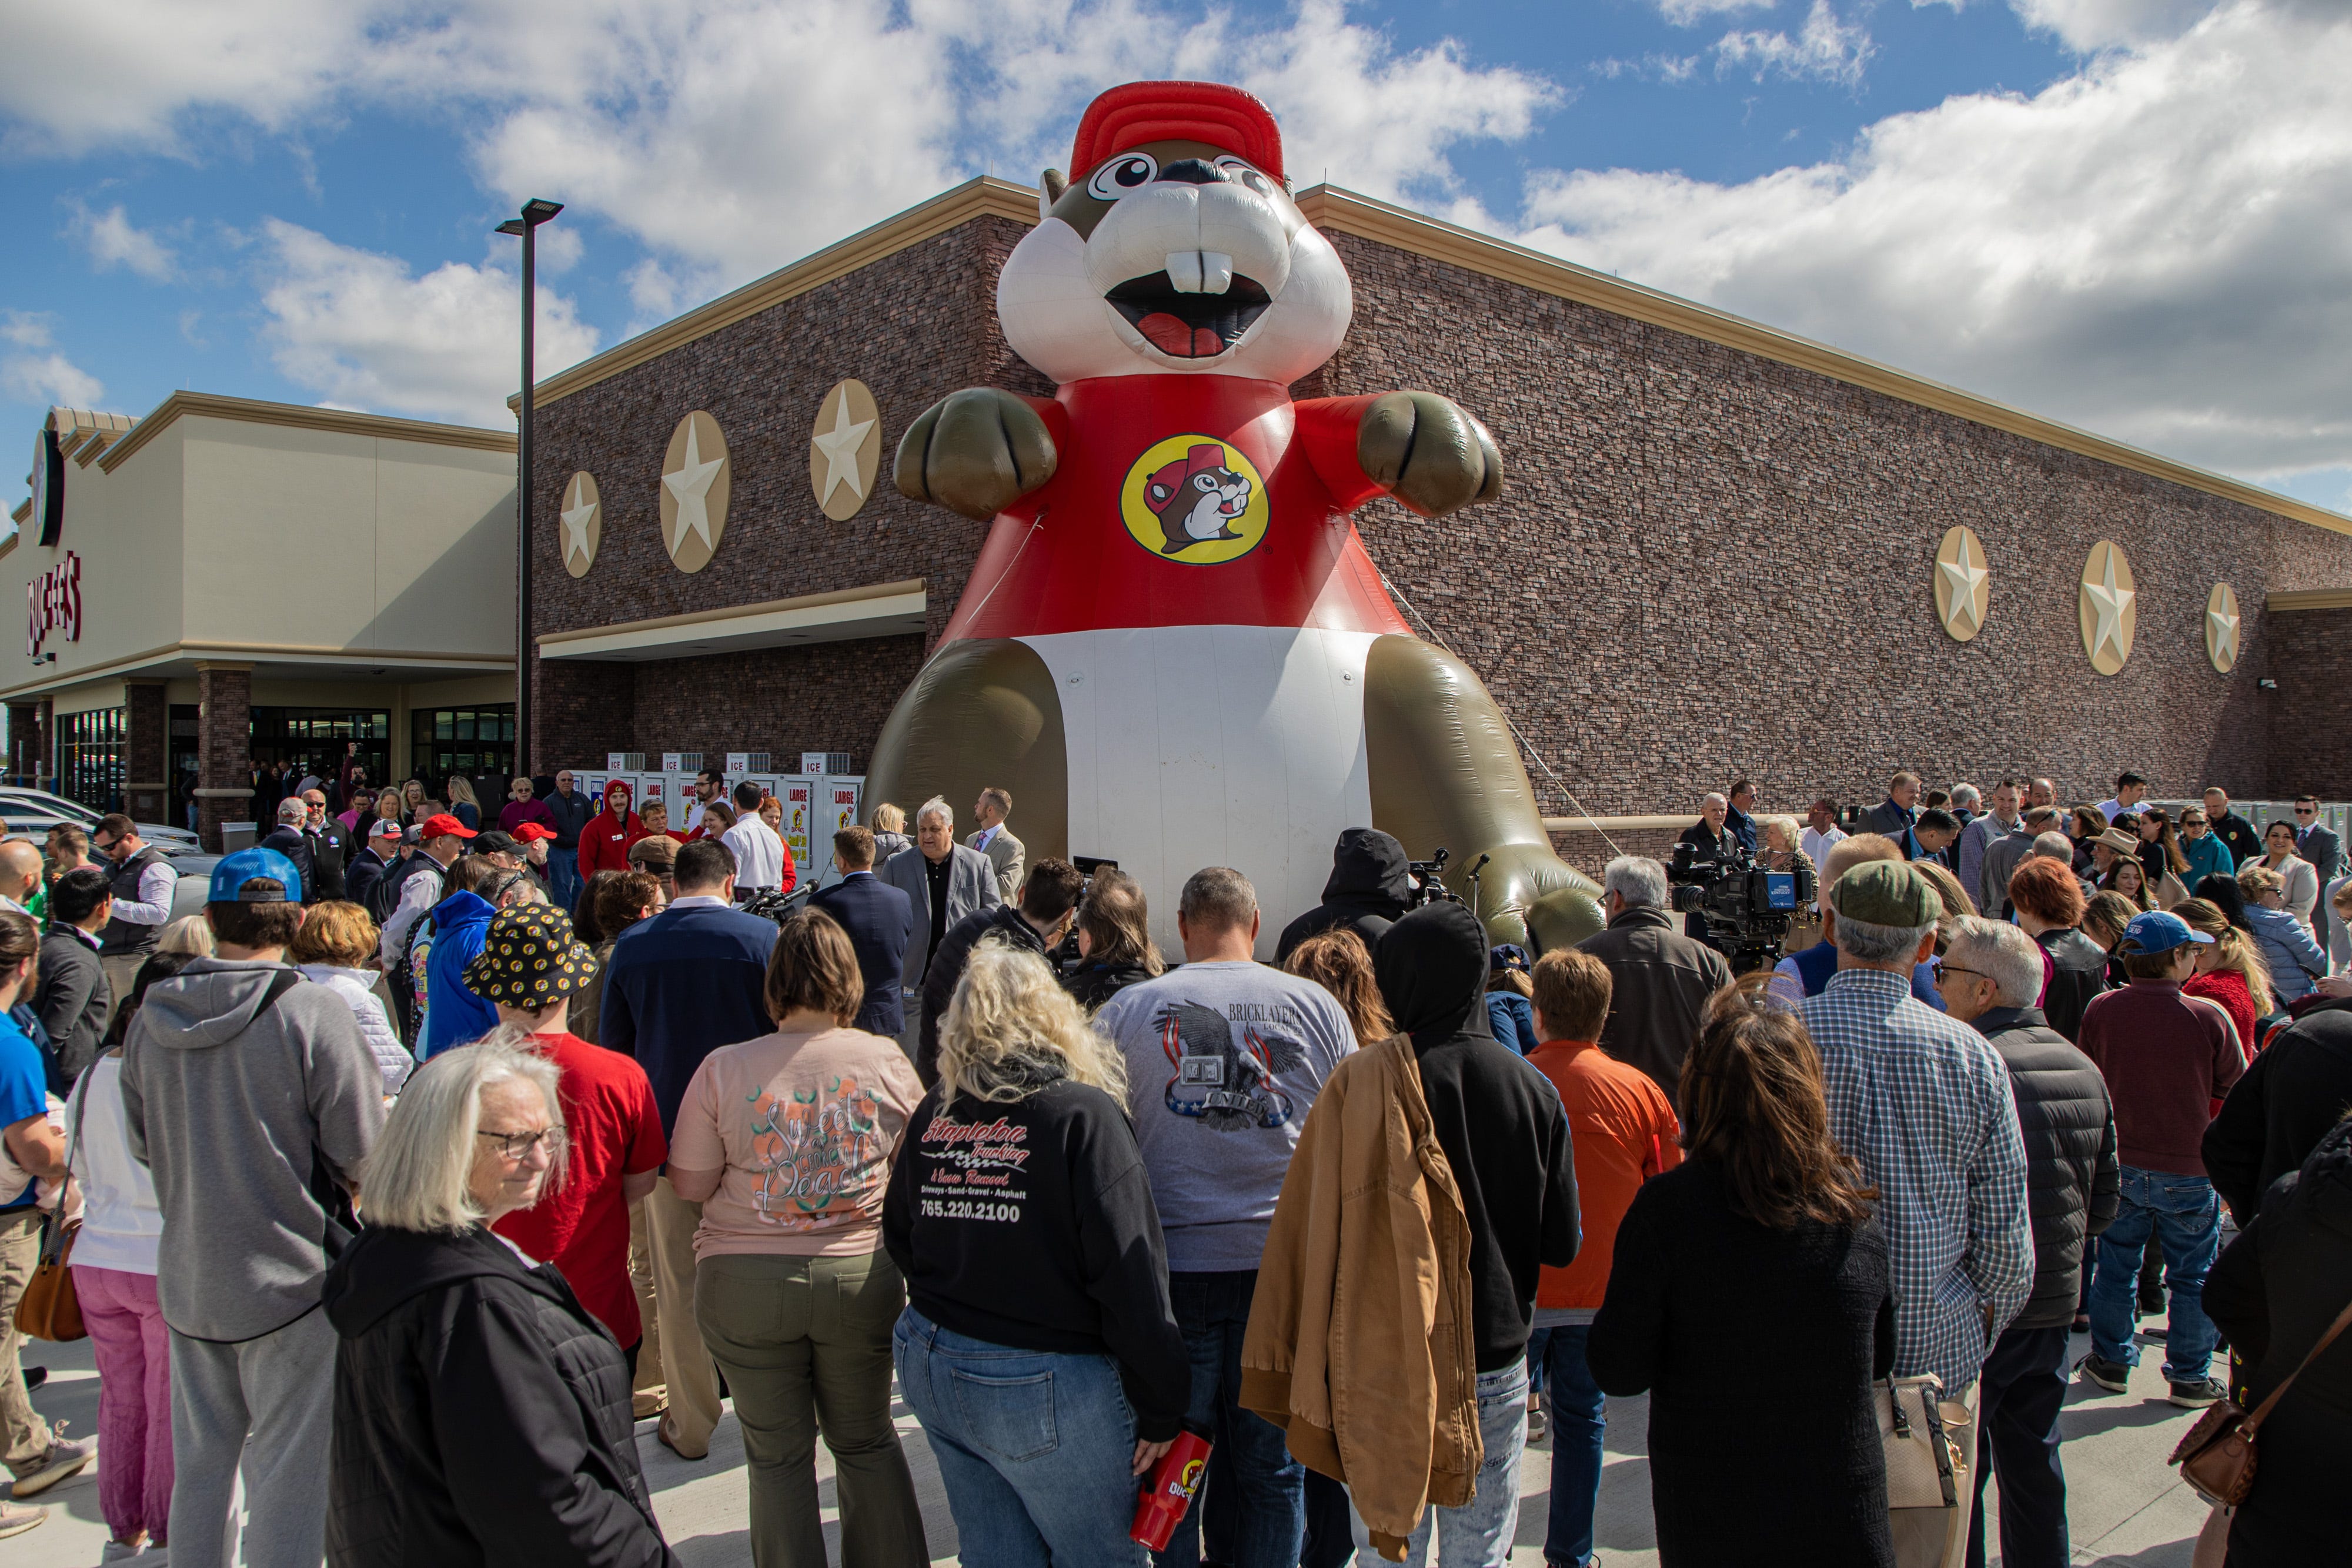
[1625,1133]
[1376,1384]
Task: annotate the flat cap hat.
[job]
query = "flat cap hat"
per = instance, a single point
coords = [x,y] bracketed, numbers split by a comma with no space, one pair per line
[1886,893]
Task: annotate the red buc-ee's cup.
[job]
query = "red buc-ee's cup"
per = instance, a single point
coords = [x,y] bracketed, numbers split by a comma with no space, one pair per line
[1174,1481]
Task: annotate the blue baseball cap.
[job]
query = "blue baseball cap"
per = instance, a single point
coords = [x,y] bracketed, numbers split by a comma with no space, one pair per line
[233,872]
[2157,932]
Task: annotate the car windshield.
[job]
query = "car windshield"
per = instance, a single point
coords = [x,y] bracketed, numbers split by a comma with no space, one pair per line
[56,805]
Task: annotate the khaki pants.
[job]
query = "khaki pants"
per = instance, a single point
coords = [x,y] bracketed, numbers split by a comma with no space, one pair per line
[649,1397]
[806,1344]
[20,1252]
[1938,1537]
[121,969]
[688,1373]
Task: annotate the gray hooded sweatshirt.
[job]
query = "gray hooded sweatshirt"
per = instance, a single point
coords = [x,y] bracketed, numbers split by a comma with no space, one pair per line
[233,1109]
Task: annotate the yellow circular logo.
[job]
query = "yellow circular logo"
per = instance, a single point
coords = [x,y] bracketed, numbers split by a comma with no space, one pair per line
[1194,499]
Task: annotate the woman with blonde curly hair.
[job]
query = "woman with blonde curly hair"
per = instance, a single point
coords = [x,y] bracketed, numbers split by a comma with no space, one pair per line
[1338,961]
[2229,970]
[1037,1276]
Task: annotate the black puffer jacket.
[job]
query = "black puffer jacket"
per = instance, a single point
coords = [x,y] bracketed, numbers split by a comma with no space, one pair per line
[2072,1177]
[1369,889]
[481,1416]
[2081,973]
[2293,1093]
[2274,1290]
[1094,984]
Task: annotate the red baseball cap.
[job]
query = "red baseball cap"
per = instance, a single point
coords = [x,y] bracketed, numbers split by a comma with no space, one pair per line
[527,831]
[441,824]
[1140,111]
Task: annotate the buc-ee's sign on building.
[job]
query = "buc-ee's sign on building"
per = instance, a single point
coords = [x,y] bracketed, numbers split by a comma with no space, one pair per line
[53,603]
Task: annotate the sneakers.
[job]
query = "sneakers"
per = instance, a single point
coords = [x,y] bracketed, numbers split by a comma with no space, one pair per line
[16,1517]
[2112,1375]
[2196,1396]
[1536,1424]
[62,1462]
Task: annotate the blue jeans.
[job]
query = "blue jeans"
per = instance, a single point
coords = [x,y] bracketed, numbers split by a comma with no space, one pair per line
[1036,1449]
[563,877]
[2184,1215]
[1258,1494]
[1578,1420]
[1479,1534]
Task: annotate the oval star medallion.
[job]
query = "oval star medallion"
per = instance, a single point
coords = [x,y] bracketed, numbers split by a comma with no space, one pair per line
[845,449]
[582,520]
[694,492]
[1962,584]
[2107,605]
[2221,627]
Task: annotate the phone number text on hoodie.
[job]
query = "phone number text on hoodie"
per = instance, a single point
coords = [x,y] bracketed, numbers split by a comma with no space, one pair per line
[969,1208]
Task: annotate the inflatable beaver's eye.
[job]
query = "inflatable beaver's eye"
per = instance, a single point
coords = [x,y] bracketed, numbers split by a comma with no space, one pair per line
[1242,173]
[1204,481]
[1121,175]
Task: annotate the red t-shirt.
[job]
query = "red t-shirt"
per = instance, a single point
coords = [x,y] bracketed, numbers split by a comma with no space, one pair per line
[582,1227]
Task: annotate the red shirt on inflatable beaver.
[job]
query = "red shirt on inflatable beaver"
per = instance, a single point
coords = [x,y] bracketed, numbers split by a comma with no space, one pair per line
[1173,649]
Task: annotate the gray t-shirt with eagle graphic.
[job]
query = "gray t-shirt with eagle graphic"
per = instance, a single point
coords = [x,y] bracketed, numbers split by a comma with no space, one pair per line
[1224,1061]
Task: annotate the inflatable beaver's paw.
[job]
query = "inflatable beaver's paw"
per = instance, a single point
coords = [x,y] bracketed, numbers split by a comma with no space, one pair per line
[976,452]
[1428,452]
[1528,894]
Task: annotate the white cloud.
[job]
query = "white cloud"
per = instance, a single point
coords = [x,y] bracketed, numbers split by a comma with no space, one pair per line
[29,375]
[2152,249]
[354,327]
[2088,25]
[112,240]
[1690,13]
[1824,49]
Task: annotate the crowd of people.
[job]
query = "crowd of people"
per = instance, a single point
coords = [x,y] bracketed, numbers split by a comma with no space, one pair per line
[408,1182]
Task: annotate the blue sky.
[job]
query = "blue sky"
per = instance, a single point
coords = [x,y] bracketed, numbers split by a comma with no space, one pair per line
[2127,214]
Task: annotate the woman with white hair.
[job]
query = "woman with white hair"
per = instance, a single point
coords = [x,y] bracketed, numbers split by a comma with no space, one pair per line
[1037,1279]
[481,1413]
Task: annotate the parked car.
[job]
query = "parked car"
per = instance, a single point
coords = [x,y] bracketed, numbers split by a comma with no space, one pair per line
[33,811]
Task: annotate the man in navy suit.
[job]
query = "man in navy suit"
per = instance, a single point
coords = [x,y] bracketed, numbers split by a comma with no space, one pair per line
[678,986]
[878,917]
[2315,843]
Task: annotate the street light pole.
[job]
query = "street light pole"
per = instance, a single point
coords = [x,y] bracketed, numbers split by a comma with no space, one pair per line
[535,211]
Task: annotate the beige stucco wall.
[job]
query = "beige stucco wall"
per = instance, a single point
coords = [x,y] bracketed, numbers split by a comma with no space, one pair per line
[435,524]
[245,535]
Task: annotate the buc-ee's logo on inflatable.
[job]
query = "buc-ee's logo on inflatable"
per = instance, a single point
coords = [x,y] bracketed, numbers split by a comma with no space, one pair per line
[53,603]
[1195,499]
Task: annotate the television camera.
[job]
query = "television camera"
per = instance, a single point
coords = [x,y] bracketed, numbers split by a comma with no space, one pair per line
[1745,909]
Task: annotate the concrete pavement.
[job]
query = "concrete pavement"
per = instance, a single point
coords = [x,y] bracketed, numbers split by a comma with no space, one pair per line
[2128,1509]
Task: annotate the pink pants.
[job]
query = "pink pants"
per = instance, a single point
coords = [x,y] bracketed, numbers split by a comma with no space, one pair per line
[134,1399]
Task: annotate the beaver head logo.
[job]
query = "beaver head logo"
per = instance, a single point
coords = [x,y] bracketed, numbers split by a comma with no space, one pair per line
[1173,245]
[1197,498]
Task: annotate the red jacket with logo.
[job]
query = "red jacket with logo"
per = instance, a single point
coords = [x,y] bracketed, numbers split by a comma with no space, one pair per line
[604,842]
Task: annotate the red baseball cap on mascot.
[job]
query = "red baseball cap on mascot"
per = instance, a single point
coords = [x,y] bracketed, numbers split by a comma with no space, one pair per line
[1165,482]
[1208,111]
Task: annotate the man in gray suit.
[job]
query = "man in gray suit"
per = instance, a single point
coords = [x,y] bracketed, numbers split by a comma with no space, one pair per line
[943,881]
[1006,854]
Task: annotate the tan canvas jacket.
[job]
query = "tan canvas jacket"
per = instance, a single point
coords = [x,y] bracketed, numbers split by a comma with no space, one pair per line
[1360,1344]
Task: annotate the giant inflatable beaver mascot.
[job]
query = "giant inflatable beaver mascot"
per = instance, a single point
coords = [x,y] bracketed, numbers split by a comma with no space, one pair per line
[1173,649]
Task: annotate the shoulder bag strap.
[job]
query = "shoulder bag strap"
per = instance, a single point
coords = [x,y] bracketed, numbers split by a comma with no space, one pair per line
[53,1226]
[2254,1423]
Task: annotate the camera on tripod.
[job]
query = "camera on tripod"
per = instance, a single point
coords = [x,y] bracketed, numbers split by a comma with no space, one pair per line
[1746,910]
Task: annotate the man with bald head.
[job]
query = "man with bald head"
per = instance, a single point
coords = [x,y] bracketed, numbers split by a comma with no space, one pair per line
[20,873]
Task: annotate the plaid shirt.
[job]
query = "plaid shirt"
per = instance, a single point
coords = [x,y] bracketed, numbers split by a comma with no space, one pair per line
[1924,1104]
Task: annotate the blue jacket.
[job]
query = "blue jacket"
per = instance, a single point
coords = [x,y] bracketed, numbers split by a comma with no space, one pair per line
[878,917]
[455,1016]
[1817,963]
[1511,1019]
[2287,947]
[2208,856]
[681,985]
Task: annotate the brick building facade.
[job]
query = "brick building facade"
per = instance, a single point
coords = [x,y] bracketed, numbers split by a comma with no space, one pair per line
[1713,555]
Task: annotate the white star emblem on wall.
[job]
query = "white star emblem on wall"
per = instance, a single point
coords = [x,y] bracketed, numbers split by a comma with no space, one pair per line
[2108,603]
[577,517]
[1964,577]
[840,446]
[690,483]
[2221,625]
